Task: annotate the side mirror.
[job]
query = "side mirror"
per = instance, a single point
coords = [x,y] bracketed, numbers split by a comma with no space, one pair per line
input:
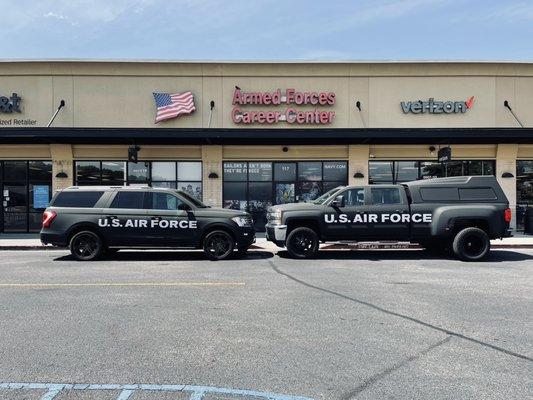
[338,202]
[184,207]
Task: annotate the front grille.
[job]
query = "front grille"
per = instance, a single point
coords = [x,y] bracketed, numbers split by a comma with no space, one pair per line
[249,220]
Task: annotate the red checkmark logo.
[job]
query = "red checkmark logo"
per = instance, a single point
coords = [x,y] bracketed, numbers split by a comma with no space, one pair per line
[470,102]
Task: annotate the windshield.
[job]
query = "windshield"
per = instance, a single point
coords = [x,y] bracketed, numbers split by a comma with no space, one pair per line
[327,195]
[193,200]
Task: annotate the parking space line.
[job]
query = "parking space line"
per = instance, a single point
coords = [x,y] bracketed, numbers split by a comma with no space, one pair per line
[125,394]
[114,284]
[197,392]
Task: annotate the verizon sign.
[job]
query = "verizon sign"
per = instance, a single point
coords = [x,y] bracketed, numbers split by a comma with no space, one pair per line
[292,114]
[433,106]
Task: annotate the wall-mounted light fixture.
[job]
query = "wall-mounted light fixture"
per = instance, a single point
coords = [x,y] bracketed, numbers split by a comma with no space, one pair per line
[507,175]
[213,175]
[358,175]
[61,175]
[285,149]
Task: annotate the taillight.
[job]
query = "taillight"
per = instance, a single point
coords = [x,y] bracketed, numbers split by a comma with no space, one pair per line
[507,215]
[48,217]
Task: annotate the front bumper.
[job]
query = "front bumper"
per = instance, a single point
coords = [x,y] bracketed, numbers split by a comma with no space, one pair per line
[245,237]
[276,234]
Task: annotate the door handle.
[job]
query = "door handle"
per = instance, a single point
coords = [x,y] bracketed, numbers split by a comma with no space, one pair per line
[399,211]
[156,218]
[112,217]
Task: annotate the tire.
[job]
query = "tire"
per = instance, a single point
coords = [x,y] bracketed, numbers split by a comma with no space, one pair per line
[86,246]
[218,245]
[471,244]
[302,243]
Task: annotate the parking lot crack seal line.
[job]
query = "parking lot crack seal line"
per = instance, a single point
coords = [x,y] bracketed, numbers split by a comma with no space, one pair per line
[396,314]
[387,371]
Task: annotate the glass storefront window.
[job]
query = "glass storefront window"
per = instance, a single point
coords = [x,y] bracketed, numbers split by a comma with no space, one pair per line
[15,171]
[285,193]
[236,171]
[430,170]
[406,171]
[138,172]
[194,189]
[113,172]
[255,185]
[380,171]
[183,175]
[309,171]
[88,172]
[335,171]
[189,171]
[285,171]
[26,190]
[309,191]
[163,171]
[235,195]
[454,168]
[40,170]
[260,171]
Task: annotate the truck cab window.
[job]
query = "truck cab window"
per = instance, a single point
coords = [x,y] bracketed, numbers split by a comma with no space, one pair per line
[386,196]
[354,197]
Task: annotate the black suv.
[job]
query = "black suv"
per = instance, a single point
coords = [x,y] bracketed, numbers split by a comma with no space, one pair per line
[95,220]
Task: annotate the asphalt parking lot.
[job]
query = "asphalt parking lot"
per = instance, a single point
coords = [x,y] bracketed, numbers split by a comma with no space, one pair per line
[348,325]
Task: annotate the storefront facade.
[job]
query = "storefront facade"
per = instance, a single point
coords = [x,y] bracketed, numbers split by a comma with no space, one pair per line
[259,133]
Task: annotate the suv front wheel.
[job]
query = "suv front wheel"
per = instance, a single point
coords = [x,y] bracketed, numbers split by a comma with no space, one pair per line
[218,245]
[471,244]
[302,243]
[86,246]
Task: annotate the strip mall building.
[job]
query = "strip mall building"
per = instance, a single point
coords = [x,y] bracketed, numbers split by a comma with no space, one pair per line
[261,133]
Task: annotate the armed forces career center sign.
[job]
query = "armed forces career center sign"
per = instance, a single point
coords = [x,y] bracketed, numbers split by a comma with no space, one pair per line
[292,114]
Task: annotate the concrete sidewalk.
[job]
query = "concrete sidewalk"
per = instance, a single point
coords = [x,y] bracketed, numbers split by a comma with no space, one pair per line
[29,241]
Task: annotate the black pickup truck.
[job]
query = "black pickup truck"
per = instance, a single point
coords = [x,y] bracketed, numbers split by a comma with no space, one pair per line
[94,220]
[460,214]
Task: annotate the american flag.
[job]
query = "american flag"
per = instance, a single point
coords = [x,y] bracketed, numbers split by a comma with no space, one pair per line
[172,105]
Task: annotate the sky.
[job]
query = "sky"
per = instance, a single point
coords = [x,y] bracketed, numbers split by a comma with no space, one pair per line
[267,29]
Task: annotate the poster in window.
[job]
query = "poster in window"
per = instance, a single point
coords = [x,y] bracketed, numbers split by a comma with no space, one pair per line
[41,196]
[284,193]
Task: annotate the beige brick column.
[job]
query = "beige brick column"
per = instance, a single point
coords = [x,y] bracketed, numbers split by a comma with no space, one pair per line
[506,162]
[62,161]
[358,163]
[212,163]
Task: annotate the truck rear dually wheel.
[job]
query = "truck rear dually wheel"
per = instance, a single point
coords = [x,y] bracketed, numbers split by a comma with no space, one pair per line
[471,244]
[302,243]
[86,246]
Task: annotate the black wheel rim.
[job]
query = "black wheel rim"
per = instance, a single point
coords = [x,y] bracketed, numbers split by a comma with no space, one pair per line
[218,245]
[302,243]
[85,245]
[473,245]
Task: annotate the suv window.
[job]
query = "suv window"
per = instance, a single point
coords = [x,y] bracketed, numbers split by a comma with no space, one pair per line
[439,194]
[77,199]
[133,200]
[386,196]
[167,201]
[477,194]
[354,197]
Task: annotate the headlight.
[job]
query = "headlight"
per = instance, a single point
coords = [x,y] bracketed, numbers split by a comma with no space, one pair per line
[243,221]
[274,217]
